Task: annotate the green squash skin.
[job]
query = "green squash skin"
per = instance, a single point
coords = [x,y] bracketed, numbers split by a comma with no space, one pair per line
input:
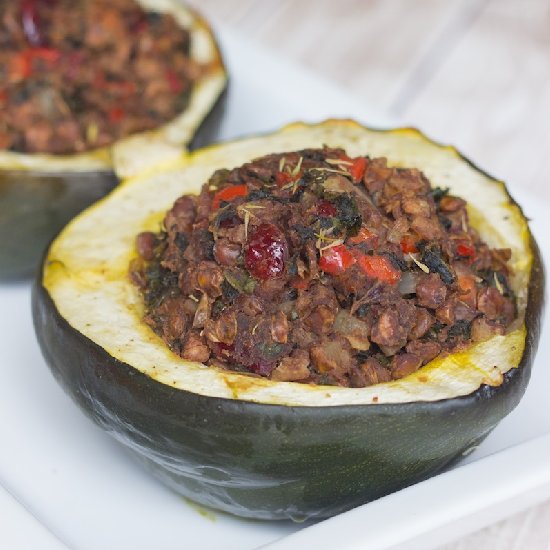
[34,206]
[274,461]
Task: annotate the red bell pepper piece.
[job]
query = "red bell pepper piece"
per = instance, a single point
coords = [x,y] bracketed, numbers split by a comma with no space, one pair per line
[466,250]
[299,283]
[336,260]
[21,63]
[379,267]
[357,167]
[365,236]
[282,179]
[51,55]
[408,245]
[116,114]
[20,67]
[227,194]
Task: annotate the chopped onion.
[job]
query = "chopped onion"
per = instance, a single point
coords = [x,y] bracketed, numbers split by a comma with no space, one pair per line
[202,314]
[407,283]
[400,227]
[355,330]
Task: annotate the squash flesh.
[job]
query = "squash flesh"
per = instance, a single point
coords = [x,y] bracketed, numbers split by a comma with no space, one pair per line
[87,266]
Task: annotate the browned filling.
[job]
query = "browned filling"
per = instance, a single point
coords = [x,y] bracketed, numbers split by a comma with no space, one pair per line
[315,267]
[80,74]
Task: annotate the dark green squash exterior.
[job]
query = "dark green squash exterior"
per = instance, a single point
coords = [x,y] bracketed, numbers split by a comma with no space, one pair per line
[276,461]
[272,461]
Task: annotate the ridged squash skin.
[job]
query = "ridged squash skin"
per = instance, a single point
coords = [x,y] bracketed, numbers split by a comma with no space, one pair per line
[40,193]
[252,454]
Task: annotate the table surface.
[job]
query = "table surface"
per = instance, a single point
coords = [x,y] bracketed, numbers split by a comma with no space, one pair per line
[474,73]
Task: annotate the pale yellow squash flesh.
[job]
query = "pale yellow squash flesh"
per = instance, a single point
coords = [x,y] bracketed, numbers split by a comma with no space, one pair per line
[86,271]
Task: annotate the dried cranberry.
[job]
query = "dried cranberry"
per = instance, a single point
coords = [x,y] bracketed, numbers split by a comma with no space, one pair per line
[137,21]
[221,350]
[266,252]
[326,208]
[262,368]
[33,25]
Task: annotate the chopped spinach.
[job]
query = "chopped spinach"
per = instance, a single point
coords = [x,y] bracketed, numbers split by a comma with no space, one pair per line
[347,212]
[240,280]
[230,293]
[218,178]
[161,283]
[226,216]
[325,223]
[461,329]
[258,194]
[181,241]
[292,268]
[396,261]
[205,244]
[434,330]
[363,311]
[431,257]
[218,306]
[437,193]
[304,232]
[445,222]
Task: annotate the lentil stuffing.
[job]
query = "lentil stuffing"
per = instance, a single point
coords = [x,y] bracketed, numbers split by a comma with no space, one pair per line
[315,267]
[80,74]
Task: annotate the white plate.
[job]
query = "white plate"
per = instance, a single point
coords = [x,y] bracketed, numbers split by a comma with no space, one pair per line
[89,492]
[20,530]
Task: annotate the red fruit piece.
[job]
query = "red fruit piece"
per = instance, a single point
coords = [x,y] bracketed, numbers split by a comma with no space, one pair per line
[357,169]
[336,260]
[282,178]
[379,267]
[326,208]
[266,252]
[408,244]
[33,26]
[466,250]
[228,194]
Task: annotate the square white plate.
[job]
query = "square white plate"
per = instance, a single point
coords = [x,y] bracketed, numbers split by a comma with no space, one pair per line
[90,494]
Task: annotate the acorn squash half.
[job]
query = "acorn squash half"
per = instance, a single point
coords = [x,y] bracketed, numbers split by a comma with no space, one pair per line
[40,193]
[256,447]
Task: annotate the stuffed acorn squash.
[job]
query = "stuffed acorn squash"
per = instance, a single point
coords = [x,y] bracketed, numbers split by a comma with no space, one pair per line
[267,448]
[86,107]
